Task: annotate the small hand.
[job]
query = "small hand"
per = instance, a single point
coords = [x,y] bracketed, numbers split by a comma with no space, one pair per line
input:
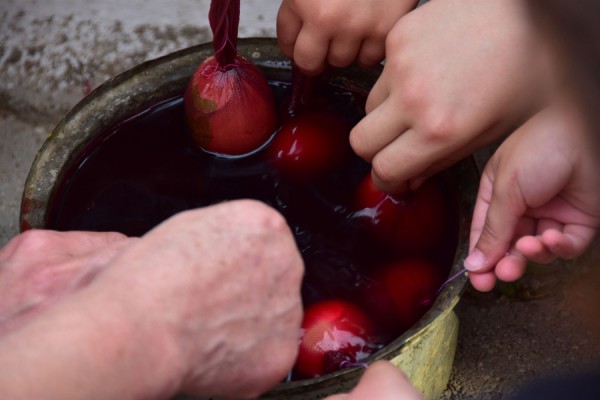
[458,76]
[381,381]
[316,32]
[538,199]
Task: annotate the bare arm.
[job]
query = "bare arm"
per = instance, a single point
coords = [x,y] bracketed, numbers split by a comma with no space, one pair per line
[208,303]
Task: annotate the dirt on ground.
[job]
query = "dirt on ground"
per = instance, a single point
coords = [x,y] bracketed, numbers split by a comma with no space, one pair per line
[545,325]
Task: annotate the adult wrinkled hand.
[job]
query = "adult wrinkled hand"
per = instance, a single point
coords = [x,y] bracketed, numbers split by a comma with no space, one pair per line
[207,303]
[458,76]
[223,283]
[38,267]
[538,199]
[337,32]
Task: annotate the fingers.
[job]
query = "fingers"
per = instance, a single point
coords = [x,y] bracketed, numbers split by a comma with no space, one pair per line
[383,381]
[288,28]
[343,52]
[504,211]
[310,51]
[555,241]
[405,158]
[482,203]
[401,151]
[483,282]
[371,53]
[379,93]
[570,243]
[376,131]
[512,267]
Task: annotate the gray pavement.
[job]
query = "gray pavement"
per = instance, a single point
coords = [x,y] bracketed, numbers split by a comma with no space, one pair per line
[52,51]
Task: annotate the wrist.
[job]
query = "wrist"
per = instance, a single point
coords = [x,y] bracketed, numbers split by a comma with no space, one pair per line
[88,346]
[144,349]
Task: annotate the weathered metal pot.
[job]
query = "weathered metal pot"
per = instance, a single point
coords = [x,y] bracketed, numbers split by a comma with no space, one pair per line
[425,352]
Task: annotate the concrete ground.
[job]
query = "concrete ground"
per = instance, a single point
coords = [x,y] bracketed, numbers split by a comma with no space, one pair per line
[51,51]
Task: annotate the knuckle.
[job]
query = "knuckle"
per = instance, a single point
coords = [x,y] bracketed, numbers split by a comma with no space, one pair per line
[411,89]
[396,38]
[438,127]
[286,43]
[356,28]
[258,215]
[325,17]
[338,60]
[369,58]
[32,241]
[413,95]
[113,236]
[379,31]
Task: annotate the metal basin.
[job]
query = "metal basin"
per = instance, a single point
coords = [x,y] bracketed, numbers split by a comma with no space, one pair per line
[425,352]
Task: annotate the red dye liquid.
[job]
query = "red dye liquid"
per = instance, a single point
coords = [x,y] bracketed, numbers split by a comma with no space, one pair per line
[146,169]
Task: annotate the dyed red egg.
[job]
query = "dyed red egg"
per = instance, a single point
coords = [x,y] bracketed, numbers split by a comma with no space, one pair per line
[310,145]
[412,286]
[229,110]
[400,293]
[333,332]
[413,222]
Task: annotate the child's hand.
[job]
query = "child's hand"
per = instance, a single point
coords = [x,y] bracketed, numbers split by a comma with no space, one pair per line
[338,32]
[538,200]
[458,75]
[381,381]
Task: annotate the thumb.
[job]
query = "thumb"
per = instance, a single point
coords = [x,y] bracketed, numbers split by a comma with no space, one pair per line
[499,207]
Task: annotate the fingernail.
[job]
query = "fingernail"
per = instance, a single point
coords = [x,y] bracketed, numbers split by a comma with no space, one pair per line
[475,261]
